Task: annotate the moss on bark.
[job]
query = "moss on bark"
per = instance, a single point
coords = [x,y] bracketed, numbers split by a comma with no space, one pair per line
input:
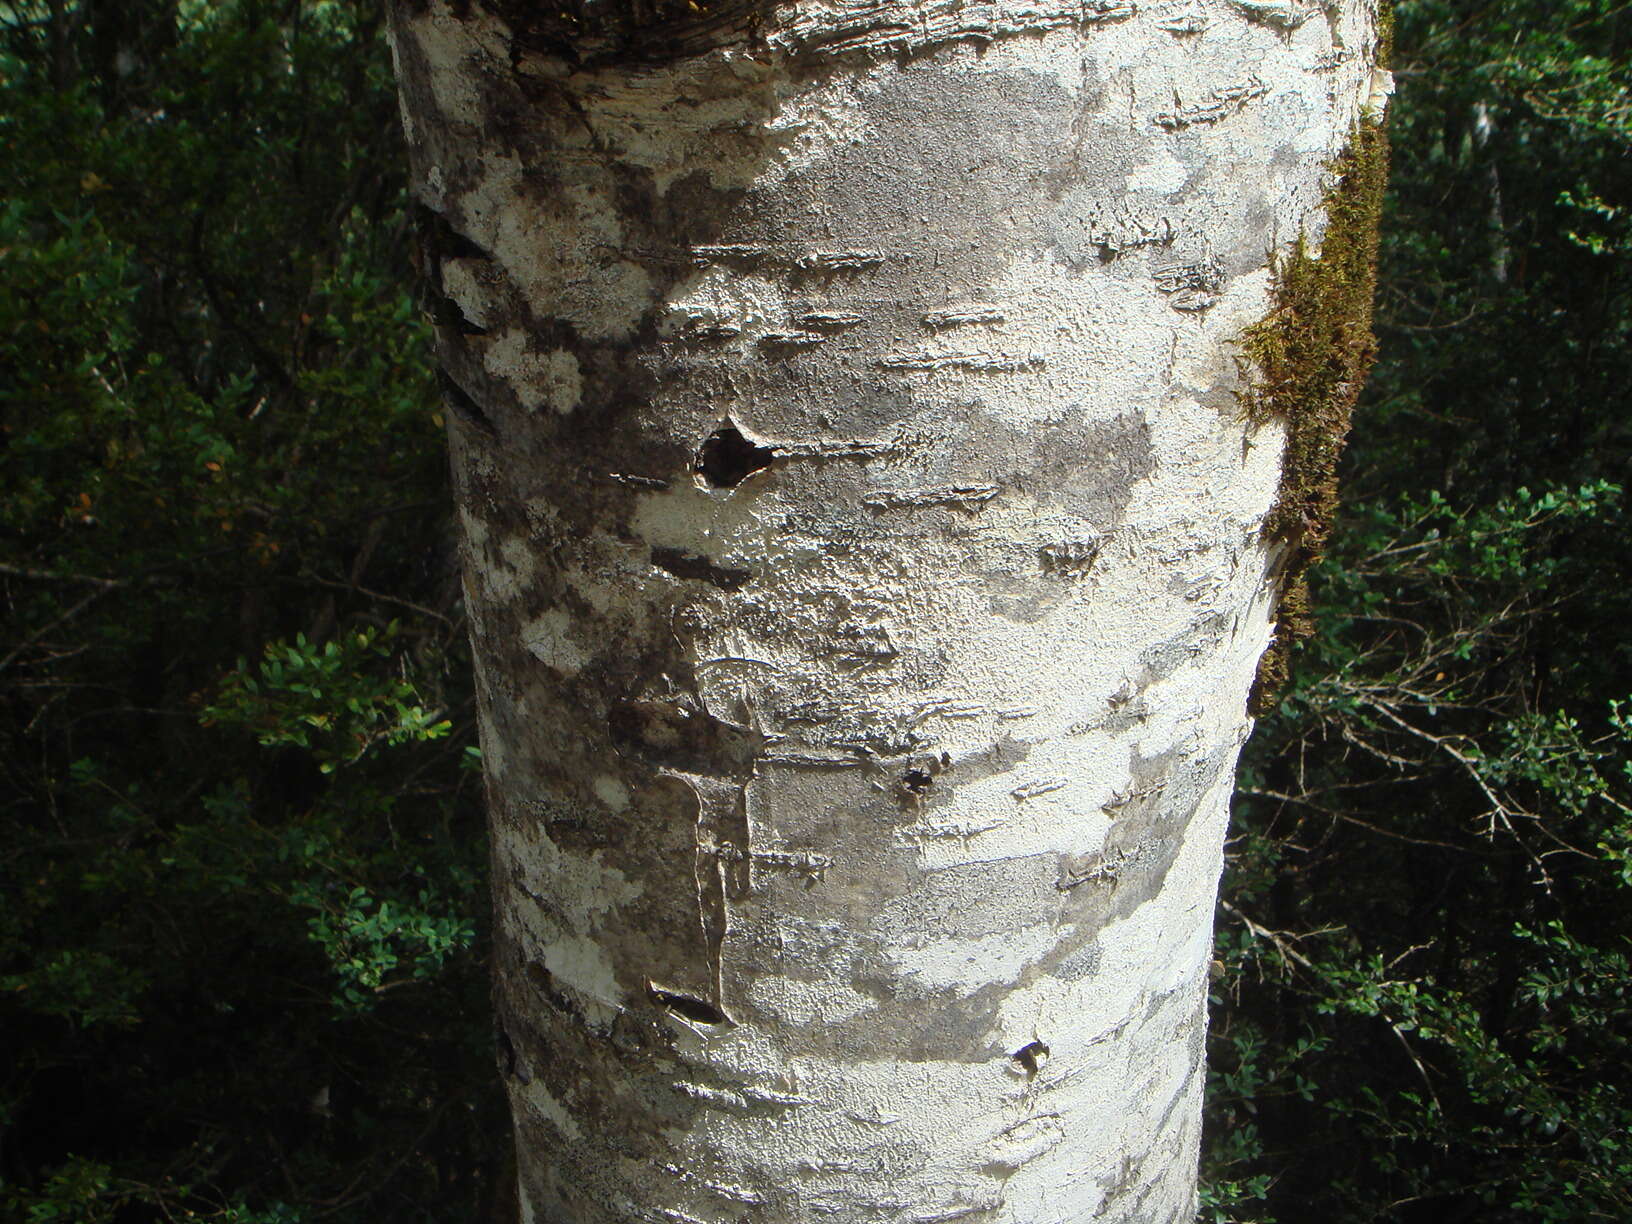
[1305,363]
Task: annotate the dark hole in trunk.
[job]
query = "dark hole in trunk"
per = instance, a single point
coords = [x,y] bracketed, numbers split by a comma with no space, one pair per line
[1031,1056]
[463,406]
[726,458]
[917,780]
[699,1011]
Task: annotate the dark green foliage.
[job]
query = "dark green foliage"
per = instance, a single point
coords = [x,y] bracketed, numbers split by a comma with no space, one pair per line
[1427,923]
[241,947]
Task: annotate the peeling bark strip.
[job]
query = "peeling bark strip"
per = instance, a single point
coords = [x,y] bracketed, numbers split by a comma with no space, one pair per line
[867,558]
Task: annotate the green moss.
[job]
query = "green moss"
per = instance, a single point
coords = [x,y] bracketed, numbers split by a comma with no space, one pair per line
[1305,362]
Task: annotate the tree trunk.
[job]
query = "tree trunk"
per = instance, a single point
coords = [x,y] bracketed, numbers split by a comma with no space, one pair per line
[865,567]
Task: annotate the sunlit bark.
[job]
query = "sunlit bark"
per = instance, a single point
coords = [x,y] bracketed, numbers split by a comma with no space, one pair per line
[864,559]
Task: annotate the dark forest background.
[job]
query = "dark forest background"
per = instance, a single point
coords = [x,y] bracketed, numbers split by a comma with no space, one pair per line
[242,898]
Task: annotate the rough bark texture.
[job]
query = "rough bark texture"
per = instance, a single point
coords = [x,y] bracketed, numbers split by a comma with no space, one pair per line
[865,562]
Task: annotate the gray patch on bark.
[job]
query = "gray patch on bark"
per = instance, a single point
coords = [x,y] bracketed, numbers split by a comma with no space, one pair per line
[1166,791]
[856,926]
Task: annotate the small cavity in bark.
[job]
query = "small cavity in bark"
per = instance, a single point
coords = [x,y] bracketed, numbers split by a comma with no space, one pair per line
[727,458]
[917,781]
[918,777]
[447,313]
[464,407]
[688,1007]
[1031,1056]
[510,1060]
[443,240]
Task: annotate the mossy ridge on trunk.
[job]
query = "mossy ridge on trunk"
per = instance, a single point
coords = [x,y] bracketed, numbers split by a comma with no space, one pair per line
[1305,363]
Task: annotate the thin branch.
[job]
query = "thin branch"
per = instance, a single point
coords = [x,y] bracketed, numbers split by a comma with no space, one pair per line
[372,594]
[67,616]
[18,571]
[1354,820]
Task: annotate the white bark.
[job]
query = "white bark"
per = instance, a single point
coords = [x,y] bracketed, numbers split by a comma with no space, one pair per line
[864,561]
